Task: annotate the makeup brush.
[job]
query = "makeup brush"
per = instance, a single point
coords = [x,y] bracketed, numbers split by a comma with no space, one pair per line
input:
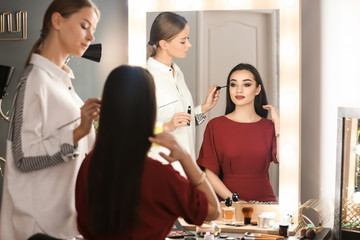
[220,87]
[262,236]
[247,212]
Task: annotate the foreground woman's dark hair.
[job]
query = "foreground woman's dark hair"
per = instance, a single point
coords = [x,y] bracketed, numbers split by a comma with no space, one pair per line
[127,120]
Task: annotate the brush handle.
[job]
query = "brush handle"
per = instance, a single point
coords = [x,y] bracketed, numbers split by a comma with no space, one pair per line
[262,236]
[265,238]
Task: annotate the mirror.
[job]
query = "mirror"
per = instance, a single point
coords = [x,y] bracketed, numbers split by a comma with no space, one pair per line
[289,74]
[347,198]
[209,31]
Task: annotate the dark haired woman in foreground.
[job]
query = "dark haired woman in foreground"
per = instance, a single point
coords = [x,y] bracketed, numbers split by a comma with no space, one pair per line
[242,144]
[120,192]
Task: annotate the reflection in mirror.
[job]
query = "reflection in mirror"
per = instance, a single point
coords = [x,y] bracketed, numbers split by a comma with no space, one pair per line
[252,36]
[289,74]
[347,204]
[351,159]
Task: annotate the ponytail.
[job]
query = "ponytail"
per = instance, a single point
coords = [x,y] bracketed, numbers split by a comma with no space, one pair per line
[150,50]
[35,49]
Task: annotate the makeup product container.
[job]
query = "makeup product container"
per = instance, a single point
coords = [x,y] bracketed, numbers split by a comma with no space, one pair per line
[284,230]
[267,220]
[208,228]
[228,212]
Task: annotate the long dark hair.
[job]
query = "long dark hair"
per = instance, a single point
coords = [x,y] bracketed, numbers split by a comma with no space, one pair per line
[260,99]
[165,27]
[65,8]
[127,119]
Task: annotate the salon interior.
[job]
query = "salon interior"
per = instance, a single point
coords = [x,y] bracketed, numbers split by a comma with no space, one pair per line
[306,49]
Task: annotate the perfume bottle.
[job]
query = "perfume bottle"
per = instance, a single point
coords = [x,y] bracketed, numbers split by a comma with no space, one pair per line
[228,212]
[235,197]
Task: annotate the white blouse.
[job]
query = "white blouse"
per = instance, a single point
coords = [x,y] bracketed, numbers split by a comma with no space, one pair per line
[42,163]
[173,96]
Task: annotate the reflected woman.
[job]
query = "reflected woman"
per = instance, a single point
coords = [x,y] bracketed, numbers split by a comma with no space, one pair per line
[240,146]
[169,39]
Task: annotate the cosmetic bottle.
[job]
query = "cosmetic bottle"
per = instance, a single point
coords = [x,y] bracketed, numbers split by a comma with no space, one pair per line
[235,197]
[228,212]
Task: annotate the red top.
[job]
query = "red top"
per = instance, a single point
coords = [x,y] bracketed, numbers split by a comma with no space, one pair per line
[243,152]
[165,195]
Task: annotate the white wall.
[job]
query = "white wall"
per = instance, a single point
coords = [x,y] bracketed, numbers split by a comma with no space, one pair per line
[330,72]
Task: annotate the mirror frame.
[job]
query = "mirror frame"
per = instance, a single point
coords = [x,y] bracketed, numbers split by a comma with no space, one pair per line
[338,233]
[290,74]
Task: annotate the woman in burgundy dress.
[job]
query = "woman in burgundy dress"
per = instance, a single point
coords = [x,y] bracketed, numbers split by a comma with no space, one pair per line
[238,148]
[120,192]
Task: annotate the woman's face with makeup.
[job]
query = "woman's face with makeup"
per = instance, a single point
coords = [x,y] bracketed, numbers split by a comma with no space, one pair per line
[242,88]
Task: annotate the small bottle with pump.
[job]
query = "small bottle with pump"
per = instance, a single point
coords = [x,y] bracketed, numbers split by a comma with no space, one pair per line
[228,212]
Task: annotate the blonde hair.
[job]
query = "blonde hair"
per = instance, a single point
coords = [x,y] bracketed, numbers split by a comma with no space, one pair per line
[165,27]
[66,8]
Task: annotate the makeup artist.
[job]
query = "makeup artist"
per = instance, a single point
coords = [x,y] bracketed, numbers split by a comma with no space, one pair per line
[241,145]
[169,39]
[121,193]
[50,129]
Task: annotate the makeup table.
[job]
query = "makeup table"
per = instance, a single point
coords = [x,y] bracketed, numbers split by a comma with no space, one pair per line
[237,233]
[325,234]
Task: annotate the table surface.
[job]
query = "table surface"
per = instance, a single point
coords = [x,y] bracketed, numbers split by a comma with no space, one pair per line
[325,234]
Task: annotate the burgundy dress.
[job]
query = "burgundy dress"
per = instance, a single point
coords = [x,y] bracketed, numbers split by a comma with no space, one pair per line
[243,152]
[165,195]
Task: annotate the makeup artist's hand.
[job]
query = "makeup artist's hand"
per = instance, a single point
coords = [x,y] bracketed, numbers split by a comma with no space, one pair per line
[177,152]
[211,99]
[90,112]
[180,119]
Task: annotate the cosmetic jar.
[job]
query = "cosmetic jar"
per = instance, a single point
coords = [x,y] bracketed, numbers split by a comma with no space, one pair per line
[209,236]
[208,228]
[284,230]
[267,220]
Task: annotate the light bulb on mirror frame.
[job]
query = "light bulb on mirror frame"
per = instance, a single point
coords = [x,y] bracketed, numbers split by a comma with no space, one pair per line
[288,151]
[289,49]
[236,3]
[356,149]
[356,196]
[289,2]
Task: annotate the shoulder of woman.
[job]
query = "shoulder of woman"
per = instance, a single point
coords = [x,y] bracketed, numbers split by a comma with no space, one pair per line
[267,122]
[158,172]
[217,120]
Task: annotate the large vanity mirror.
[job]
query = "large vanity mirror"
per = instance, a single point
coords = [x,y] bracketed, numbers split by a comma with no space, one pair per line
[213,35]
[347,198]
[282,62]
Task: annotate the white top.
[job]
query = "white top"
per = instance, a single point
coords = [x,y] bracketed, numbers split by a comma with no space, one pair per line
[173,96]
[42,163]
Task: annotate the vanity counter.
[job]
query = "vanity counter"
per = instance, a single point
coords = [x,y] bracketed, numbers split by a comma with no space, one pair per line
[238,232]
[237,229]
